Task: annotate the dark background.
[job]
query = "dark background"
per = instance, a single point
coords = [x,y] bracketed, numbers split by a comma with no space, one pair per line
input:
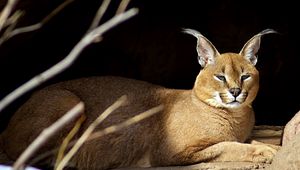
[151,46]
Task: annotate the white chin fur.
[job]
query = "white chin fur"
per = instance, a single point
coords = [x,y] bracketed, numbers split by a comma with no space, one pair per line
[216,101]
[233,105]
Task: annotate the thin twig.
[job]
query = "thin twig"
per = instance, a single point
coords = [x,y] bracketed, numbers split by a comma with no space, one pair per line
[120,102]
[122,7]
[99,15]
[6,12]
[68,138]
[13,32]
[68,60]
[128,122]
[57,10]
[14,18]
[88,135]
[46,134]
[12,24]
[106,131]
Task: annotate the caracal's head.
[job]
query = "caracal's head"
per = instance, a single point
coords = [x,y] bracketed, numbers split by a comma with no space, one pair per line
[228,80]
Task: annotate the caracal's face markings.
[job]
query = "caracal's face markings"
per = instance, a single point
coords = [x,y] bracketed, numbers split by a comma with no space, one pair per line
[227,80]
[232,80]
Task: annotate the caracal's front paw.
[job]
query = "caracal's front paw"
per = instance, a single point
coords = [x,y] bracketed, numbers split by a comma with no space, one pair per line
[263,154]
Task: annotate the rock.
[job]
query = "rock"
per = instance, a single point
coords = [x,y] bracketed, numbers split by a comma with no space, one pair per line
[291,129]
[210,166]
[287,157]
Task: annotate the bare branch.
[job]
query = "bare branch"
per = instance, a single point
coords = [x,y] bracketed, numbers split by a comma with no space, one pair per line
[122,7]
[13,32]
[87,136]
[99,14]
[108,130]
[14,18]
[126,123]
[67,139]
[6,12]
[12,22]
[120,102]
[56,11]
[68,60]
[46,134]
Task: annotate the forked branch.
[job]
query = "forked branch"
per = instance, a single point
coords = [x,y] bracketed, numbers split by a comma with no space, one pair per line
[69,59]
[11,31]
[6,12]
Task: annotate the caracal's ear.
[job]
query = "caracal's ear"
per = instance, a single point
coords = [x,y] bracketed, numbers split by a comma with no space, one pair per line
[251,48]
[205,49]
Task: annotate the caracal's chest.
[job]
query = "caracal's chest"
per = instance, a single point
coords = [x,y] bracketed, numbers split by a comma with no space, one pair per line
[190,122]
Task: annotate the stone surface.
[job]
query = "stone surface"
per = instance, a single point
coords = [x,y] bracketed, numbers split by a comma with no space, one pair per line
[287,157]
[291,129]
[210,166]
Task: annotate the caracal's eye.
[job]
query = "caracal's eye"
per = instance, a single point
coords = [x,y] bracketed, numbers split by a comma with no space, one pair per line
[220,77]
[245,77]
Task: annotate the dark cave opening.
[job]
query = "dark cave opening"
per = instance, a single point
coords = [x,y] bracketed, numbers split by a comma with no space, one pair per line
[151,47]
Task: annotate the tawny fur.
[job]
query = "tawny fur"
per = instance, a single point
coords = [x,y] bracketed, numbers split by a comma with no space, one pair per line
[196,125]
